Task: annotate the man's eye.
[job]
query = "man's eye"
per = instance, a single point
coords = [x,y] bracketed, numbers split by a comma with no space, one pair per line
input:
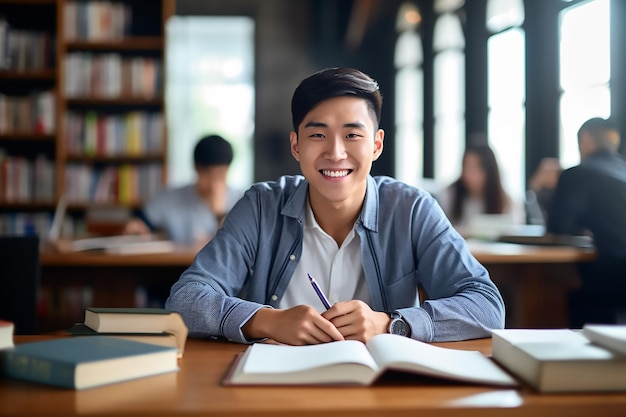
[353,136]
[317,135]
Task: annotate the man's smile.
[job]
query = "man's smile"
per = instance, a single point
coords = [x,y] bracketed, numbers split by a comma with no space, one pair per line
[335,173]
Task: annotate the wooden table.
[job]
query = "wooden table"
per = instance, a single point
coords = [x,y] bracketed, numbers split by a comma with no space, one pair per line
[484,251]
[195,390]
[534,280]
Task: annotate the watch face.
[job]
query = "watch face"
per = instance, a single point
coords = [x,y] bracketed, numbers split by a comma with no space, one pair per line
[399,327]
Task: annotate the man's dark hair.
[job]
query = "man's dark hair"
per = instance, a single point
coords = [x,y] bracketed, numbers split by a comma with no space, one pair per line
[494,196]
[212,150]
[603,132]
[331,83]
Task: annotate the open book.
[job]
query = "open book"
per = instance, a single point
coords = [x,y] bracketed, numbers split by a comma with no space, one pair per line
[352,362]
[120,244]
[117,244]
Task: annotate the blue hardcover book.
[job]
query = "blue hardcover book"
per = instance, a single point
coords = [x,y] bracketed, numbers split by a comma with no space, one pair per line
[86,362]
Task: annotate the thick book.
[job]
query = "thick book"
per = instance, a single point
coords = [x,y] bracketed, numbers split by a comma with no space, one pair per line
[354,363]
[6,334]
[134,321]
[559,360]
[87,362]
[610,336]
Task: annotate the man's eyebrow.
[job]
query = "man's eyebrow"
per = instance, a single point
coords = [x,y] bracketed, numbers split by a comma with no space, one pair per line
[315,124]
[357,125]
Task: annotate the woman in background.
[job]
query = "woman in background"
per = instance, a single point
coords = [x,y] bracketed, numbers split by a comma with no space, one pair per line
[477,192]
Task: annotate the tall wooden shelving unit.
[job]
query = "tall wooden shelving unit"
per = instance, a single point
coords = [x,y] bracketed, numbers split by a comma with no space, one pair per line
[21,80]
[144,40]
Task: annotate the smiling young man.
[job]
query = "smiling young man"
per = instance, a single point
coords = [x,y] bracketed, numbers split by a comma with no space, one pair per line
[369,242]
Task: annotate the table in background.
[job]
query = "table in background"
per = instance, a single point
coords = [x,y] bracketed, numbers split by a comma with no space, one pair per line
[196,390]
[534,281]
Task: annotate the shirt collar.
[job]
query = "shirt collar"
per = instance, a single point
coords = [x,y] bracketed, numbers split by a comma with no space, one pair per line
[296,204]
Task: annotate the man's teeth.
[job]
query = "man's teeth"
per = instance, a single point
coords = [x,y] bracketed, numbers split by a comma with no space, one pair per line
[335,174]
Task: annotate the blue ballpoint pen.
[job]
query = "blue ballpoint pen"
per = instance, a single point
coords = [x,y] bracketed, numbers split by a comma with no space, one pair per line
[319,292]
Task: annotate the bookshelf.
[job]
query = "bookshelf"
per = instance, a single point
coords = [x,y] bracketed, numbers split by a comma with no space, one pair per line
[82,110]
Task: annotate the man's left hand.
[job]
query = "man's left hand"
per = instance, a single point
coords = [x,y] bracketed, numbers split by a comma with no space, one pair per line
[356,320]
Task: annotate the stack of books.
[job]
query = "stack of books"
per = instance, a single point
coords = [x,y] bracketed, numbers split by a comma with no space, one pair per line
[86,362]
[561,360]
[157,326]
[123,344]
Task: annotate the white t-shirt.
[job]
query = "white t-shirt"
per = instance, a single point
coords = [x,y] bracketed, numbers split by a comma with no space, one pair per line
[337,270]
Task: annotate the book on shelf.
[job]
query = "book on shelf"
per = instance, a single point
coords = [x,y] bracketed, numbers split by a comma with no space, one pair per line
[155,324]
[351,362]
[610,336]
[7,328]
[87,362]
[559,360]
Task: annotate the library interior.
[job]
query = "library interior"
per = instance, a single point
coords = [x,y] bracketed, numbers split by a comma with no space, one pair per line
[130,129]
[102,103]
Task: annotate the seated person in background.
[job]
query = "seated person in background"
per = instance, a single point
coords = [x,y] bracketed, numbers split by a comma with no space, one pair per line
[477,192]
[591,198]
[369,241]
[190,215]
[541,187]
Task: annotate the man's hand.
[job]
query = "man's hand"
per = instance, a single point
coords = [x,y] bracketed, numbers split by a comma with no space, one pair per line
[136,227]
[300,325]
[356,320]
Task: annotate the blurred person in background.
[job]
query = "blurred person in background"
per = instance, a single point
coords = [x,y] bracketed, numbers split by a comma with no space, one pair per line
[478,191]
[590,198]
[540,191]
[191,214]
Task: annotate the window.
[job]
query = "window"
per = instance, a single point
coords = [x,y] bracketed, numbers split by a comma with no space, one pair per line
[409,96]
[507,92]
[449,92]
[210,89]
[585,71]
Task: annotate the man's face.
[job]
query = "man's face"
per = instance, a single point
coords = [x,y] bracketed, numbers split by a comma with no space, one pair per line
[211,179]
[335,145]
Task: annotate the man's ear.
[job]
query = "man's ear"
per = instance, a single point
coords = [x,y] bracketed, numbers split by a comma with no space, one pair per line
[293,140]
[379,138]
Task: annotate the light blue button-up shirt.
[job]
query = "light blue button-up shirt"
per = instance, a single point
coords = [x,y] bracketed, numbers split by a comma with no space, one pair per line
[406,242]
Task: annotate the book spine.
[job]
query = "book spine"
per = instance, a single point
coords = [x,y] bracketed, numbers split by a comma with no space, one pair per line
[24,367]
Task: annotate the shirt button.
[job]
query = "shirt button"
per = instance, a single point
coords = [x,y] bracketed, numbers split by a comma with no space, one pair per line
[292,257]
[274,297]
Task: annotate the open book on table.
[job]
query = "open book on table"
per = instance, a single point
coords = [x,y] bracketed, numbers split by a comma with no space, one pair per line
[352,362]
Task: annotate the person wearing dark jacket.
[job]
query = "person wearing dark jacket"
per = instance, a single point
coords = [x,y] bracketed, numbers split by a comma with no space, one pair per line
[590,198]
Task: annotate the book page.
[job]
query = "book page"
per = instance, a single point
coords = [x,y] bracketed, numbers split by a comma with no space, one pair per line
[267,358]
[404,354]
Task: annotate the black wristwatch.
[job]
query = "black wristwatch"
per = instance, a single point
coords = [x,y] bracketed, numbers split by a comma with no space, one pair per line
[398,325]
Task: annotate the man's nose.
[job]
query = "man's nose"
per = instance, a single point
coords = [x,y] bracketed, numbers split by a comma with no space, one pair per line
[336,149]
